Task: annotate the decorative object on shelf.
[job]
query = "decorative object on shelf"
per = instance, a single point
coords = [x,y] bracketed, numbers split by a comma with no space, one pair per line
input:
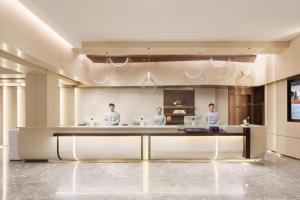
[178,103]
[179,112]
[245,77]
[246,121]
[118,64]
[169,118]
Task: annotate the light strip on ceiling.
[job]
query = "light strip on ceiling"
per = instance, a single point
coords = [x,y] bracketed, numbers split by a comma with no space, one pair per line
[29,15]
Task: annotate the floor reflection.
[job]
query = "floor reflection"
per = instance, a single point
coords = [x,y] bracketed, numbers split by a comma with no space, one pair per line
[274,178]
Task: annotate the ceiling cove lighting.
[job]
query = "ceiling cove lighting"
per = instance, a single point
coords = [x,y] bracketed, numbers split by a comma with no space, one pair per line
[30,16]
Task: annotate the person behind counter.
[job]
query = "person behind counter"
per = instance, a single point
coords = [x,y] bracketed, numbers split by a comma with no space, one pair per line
[212,117]
[112,118]
[159,119]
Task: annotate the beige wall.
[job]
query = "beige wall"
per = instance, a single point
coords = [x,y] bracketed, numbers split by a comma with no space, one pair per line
[134,101]
[284,64]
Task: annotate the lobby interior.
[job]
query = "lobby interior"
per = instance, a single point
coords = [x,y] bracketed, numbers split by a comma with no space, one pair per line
[62,62]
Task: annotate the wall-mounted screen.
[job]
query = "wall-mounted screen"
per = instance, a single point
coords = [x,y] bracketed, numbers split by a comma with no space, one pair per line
[294,99]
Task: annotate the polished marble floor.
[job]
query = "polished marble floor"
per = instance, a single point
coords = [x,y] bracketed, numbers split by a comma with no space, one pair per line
[272,178]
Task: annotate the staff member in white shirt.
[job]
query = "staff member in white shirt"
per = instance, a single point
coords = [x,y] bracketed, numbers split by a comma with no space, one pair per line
[112,118]
[159,119]
[212,117]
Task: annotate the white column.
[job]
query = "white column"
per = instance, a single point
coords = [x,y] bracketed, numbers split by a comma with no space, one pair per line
[1,115]
[9,112]
[67,106]
[42,100]
[21,106]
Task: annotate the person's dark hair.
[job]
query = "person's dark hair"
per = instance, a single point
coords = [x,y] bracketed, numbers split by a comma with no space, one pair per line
[111,104]
[211,104]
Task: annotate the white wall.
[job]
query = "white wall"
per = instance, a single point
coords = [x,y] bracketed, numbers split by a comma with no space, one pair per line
[93,102]
[134,101]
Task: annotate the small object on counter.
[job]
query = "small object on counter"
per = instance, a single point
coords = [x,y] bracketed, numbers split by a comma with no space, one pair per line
[142,123]
[169,118]
[214,129]
[195,130]
[140,120]
[92,123]
[124,124]
[82,124]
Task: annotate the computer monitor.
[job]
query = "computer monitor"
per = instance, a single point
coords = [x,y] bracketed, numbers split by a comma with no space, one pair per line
[192,120]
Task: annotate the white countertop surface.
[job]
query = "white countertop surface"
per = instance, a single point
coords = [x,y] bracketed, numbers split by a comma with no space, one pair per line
[132,127]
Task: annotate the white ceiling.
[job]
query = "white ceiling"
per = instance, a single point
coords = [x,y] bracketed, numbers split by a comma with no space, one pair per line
[170,20]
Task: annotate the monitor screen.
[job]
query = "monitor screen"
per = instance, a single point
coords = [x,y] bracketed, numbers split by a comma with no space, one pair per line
[294,99]
[192,120]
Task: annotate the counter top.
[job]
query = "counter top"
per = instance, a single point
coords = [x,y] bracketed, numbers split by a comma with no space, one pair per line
[138,127]
[128,129]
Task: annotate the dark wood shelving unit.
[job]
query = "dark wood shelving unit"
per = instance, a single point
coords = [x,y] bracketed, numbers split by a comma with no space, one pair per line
[178,107]
[185,95]
[178,114]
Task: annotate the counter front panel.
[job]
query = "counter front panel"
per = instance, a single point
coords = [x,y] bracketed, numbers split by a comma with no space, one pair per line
[136,143]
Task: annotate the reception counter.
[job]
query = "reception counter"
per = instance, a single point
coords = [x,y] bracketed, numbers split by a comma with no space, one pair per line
[140,143]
